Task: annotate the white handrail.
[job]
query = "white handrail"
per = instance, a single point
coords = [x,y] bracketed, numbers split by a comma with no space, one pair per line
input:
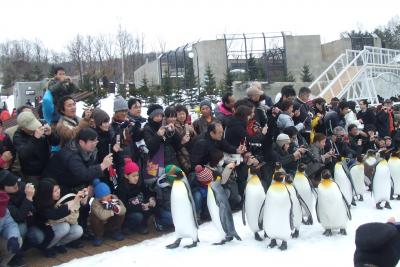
[325,72]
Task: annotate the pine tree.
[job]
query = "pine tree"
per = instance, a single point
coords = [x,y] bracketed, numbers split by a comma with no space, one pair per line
[50,74]
[306,75]
[252,68]
[261,72]
[209,82]
[228,80]
[167,89]
[92,100]
[144,89]
[190,90]
[133,92]
[122,90]
[289,77]
[37,73]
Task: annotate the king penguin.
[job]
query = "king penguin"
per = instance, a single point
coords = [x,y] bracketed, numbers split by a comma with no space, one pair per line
[254,197]
[394,166]
[305,190]
[333,211]
[342,178]
[297,204]
[182,207]
[220,211]
[278,211]
[358,177]
[382,184]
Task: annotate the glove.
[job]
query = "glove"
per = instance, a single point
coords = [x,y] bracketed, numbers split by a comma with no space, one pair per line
[125,124]
[13,245]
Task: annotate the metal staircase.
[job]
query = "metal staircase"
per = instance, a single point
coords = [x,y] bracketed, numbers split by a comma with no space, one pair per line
[364,74]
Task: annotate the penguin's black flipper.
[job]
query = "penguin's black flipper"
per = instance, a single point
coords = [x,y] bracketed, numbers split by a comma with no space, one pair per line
[261,216]
[291,210]
[304,207]
[189,191]
[175,244]
[346,204]
[316,210]
[348,174]
[244,210]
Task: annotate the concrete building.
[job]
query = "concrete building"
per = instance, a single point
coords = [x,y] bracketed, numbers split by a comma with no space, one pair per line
[151,71]
[27,90]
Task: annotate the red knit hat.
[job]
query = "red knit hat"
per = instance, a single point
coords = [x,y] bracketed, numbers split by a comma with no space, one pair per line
[130,166]
[204,175]
[4,198]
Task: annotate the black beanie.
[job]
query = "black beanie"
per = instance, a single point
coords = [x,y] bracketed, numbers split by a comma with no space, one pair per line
[378,244]
[154,109]
[7,178]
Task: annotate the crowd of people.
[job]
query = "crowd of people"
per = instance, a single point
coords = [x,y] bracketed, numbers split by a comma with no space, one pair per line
[66,178]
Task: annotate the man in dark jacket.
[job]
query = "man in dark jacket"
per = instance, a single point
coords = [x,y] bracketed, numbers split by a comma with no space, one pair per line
[138,146]
[366,115]
[335,117]
[75,166]
[210,141]
[384,120]
[32,142]
[305,116]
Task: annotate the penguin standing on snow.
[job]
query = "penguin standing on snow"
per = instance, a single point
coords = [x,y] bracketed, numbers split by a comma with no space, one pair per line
[382,184]
[342,178]
[220,211]
[394,167]
[305,190]
[358,177]
[333,211]
[298,206]
[278,212]
[254,196]
[182,207]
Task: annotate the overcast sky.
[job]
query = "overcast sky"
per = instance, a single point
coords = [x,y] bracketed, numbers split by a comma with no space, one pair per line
[177,22]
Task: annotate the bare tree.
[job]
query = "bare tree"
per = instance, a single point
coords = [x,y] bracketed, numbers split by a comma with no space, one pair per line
[76,52]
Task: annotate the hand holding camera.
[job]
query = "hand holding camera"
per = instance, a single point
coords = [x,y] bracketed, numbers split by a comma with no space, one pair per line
[29,191]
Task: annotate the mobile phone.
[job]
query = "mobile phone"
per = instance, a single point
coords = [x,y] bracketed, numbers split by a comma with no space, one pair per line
[109,148]
[118,139]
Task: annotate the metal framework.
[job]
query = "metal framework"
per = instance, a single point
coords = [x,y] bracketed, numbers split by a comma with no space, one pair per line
[361,74]
[268,50]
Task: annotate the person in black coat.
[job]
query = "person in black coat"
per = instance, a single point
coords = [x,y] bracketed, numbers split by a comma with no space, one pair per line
[32,142]
[335,117]
[366,115]
[206,144]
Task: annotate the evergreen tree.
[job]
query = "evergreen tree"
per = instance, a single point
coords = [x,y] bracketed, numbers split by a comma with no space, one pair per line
[252,68]
[144,89]
[260,72]
[37,73]
[92,100]
[122,90]
[228,80]
[167,89]
[50,74]
[209,82]
[153,92]
[190,89]
[306,75]
[133,92]
[289,77]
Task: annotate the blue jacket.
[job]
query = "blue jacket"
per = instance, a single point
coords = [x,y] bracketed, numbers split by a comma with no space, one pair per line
[8,227]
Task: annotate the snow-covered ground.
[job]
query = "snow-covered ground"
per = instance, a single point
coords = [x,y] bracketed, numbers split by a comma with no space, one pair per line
[310,249]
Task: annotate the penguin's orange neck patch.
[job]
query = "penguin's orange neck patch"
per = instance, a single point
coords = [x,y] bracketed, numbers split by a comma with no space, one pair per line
[326,182]
[253,180]
[277,186]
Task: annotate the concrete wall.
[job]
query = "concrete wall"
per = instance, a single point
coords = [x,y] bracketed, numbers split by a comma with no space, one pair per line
[211,53]
[301,50]
[332,50]
[152,72]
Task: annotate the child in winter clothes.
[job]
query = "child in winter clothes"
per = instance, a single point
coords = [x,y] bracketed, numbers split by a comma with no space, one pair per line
[107,214]
[58,221]
[137,199]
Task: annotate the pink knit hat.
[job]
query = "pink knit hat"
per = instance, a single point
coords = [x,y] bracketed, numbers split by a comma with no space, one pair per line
[204,175]
[130,166]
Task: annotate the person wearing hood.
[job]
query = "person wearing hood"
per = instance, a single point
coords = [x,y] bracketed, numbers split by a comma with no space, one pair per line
[200,125]
[32,143]
[70,124]
[163,141]
[285,118]
[224,110]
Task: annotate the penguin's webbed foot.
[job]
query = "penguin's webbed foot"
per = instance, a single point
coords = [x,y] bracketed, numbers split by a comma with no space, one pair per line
[378,206]
[220,243]
[361,198]
[194,244]
[387,205]
[265,235]
[283,246]
[257,237]
[343,232]
[308,221]
[398,197]
[353,203]
[295,234]
[273,243]
[328,232]
[175,244]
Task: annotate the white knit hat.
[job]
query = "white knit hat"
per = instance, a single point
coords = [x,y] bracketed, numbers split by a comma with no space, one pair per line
[282,139]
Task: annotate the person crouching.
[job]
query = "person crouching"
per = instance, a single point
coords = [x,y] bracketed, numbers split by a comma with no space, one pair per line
[107,213]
